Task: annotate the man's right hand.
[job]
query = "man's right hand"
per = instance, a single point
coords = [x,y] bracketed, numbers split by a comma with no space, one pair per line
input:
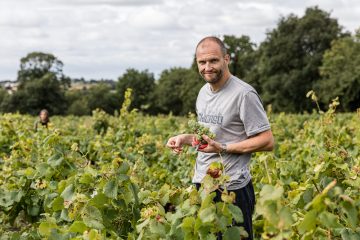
[176,143]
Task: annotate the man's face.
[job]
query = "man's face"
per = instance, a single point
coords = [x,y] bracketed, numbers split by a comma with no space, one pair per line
[211,62]
[43,116]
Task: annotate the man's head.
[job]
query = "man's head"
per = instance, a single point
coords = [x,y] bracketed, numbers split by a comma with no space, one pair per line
[44,116]
[212,59]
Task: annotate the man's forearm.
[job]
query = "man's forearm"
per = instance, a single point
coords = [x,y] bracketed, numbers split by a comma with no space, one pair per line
[261,142]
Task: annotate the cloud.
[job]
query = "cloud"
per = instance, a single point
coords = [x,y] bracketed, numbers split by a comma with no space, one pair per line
[101,38]
[110,2]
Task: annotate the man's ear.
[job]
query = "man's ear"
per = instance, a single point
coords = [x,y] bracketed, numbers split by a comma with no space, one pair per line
[227,59]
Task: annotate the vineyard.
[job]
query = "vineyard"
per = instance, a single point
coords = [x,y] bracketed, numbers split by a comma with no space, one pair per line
[111,177]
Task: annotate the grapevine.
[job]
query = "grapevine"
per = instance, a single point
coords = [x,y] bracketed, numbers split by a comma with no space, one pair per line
[199,130]
[70,182]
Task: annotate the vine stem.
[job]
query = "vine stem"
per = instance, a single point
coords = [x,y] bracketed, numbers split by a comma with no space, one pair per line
[224,173]
[267,171]
[317,189]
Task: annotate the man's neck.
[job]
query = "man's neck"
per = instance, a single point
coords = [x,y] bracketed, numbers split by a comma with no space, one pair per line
[218,85]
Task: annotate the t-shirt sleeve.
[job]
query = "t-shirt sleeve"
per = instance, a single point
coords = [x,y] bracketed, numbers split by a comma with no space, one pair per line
[253,115]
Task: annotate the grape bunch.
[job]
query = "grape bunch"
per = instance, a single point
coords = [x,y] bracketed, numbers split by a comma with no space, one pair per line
[215,169]
[199,130]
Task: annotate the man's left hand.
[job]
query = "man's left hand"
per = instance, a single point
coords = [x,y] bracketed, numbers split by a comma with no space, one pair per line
[212,147]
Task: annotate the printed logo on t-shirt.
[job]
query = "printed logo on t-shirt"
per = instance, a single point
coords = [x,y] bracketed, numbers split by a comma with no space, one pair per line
[213,119]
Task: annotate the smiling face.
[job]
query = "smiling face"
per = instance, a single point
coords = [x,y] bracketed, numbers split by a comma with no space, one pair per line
[211,62]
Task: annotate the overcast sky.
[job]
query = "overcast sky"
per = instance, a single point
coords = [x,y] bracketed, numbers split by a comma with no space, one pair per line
[102,38]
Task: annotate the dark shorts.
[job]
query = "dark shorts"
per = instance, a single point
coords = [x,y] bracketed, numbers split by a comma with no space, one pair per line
[245,200]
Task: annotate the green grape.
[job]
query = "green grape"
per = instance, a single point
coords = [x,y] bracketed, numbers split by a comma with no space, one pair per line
[200,130]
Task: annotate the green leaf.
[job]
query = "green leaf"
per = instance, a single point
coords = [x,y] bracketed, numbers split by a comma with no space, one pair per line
[45,228]
[122,178]
[43,169]
[351,214]
[188,224]
[144,196]
[57,204]
[33,210]
[94,235]
[56,235]
[207,215]
[329,220]
[285,218]
[348,234]
[17,195]
[86,178]
[236,213]
[157,228]
[68,193]
[111,189]
[55,160]
[78,227]
[272,193]
[65,215]
[8,198]
[140,226]
[124,168]
[309,222]
[99,200]
[164,194]
[92,217]
[208,200]
[223,223]
[233,233]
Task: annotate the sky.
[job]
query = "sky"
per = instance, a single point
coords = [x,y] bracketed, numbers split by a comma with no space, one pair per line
[98,39]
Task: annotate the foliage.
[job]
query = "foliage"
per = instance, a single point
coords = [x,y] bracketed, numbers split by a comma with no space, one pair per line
[3,95]
[69,182]
[43,92]
[35,65]
[340,73]
[290,58]
[142,83]
[176,91]
[41,85]
[242,55]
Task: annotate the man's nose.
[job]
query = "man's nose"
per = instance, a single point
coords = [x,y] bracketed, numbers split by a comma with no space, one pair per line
[208,66]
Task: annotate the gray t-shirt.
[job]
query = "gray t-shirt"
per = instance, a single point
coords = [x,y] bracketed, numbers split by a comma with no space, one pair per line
[233,113]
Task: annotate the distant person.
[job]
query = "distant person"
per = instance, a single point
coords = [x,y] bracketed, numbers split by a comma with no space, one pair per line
[43,119]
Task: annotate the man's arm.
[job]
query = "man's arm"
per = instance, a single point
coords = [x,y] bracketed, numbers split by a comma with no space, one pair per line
[263,141]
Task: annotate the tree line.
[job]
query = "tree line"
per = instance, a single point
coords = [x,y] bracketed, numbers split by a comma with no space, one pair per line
[300,54]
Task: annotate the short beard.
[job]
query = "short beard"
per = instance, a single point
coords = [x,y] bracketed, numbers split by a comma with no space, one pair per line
[216,79]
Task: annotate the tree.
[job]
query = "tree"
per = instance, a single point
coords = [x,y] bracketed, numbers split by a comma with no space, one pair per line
[341,73]
[242,54]
[166,94]
[290,58]
[142,83]
[3,96]
[101,96]
[77,103]
[37,64]
[176,91]
[190,89]
[44,92]
[41,85]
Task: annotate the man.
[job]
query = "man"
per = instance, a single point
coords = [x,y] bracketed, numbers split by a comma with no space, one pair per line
[43,119]
[233,111]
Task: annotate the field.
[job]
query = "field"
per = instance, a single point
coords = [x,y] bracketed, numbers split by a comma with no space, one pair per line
[111,177]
